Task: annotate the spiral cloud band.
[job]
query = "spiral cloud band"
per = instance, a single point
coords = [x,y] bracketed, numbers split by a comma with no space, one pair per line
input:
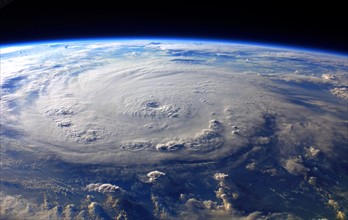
[111,105]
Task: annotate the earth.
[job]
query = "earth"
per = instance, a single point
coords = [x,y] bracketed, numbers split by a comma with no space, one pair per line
[172,129]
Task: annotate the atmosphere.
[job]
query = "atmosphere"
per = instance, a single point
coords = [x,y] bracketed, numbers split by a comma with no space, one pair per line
[313,26]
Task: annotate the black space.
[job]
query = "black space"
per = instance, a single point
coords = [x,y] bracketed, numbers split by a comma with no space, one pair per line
[320,27]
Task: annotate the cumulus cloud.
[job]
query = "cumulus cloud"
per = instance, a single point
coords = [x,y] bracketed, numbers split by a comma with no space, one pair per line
[70,211]
[103,188]
[220,176]
[341,92]
[15,207]
[207,209]
[339,213]
[215,125]
[96,211]
[295,166]
[10,203]
[328,76]
[170,146]
[154,175]
[206,141]
[251,166]
[227,192]
[312,152]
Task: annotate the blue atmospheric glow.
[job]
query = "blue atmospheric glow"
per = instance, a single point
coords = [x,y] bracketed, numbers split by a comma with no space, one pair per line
[177,39]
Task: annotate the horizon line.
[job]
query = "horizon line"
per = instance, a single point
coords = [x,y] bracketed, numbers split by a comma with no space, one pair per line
[182,39]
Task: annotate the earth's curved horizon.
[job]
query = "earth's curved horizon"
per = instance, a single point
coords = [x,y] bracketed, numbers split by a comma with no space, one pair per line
[172,129]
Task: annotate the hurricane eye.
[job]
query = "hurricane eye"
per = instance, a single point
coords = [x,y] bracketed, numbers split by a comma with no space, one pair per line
[152,104]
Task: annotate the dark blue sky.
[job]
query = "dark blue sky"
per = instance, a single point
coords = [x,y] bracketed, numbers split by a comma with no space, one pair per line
[320,26]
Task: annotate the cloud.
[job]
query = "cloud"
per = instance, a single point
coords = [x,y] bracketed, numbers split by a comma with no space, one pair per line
[73,114]
[227,191]
[96,211]
[207,209]
[295,166]
[170,146]
[176,109]
[208,140]
[220,176]
[70,211]
[10,203]
[215,125]
[5,50]
[251,166]
[154,175]
[340,92]
[137,145]
[15,207]
[103,188]
[149,109]
[312,152]
[328,76]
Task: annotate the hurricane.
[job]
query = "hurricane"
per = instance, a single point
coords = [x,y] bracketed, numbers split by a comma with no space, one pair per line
[176,129]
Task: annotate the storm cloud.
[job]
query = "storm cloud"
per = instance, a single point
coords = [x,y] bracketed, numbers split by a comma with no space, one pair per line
[172,130]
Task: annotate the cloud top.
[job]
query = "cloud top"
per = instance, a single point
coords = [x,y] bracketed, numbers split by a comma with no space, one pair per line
[103,188]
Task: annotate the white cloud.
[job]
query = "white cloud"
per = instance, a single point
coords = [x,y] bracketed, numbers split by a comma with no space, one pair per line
[312,152]
[116,110]
[328,76]
[251,166]
[103,188]
[341,92]
[154,175]
[11,49]
[220,176]
[16,207]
